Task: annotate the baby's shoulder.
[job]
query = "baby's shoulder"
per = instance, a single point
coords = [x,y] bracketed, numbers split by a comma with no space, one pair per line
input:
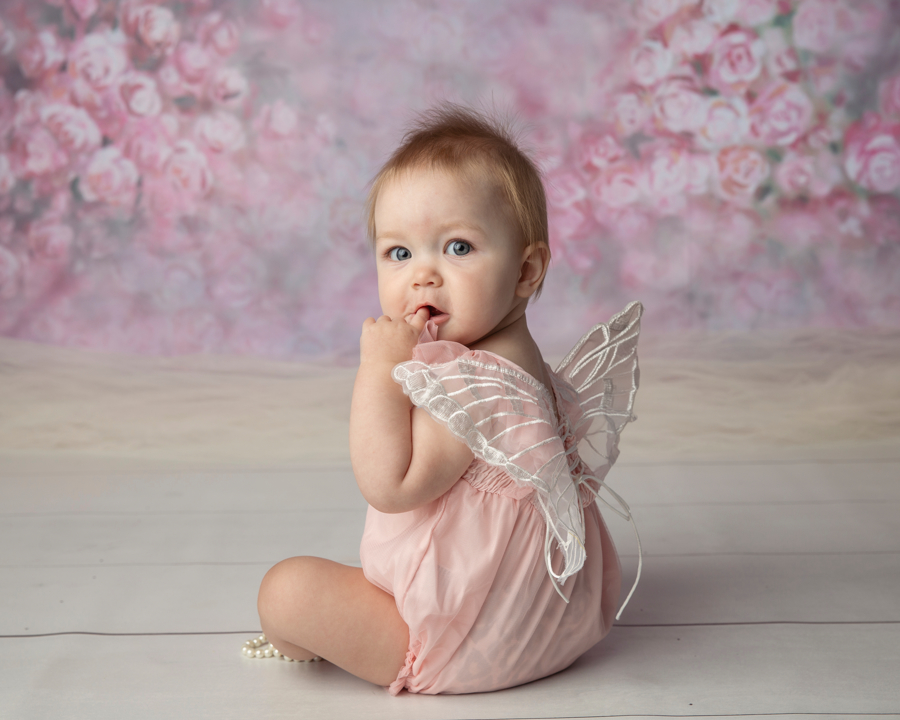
[528,359]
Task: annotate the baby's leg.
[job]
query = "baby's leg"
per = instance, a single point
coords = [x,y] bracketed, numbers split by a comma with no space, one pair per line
[309,606]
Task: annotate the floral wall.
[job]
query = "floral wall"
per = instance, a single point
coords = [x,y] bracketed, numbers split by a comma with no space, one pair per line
[180,177]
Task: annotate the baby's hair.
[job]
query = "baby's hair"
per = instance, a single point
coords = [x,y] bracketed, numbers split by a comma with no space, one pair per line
[459,140]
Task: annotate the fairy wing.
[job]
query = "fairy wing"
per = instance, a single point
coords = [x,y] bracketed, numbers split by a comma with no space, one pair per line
[505,417]
[602,369]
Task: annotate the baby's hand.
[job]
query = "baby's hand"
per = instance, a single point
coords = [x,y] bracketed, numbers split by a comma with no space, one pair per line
[390,341]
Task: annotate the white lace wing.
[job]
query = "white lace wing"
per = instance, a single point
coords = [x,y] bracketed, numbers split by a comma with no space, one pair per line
[506,418]
[603,370]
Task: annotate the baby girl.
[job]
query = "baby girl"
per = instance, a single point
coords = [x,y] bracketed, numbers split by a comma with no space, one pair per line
[485,561]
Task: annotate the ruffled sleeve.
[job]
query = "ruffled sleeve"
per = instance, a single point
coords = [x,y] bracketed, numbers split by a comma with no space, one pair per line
[505,417]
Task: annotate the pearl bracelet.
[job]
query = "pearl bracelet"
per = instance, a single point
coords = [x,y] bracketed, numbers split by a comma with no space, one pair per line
[253,648]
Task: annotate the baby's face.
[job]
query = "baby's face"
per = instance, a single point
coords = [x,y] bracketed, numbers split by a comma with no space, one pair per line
[447,241]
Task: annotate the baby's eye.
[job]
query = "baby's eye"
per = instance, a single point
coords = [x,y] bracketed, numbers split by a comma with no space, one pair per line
[459,247]
[399,253]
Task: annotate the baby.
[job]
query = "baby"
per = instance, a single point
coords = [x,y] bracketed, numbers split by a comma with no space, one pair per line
[464,443]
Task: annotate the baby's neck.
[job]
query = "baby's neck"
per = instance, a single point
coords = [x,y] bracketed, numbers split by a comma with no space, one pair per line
[514,342]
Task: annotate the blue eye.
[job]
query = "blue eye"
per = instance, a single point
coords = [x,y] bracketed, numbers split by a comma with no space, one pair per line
[459,247]
[399,253]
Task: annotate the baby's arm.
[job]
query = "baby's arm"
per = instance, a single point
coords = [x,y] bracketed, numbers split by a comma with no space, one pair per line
[402,458]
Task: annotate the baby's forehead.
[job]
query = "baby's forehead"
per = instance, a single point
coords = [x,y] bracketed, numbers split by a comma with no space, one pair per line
[470,173]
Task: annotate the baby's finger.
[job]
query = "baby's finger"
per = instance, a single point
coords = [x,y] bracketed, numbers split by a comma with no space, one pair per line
[419,318]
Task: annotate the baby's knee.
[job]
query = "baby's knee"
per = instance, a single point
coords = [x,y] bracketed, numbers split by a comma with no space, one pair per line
[284,587]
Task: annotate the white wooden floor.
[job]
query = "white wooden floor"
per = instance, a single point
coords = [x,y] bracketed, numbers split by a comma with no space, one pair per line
[770,589]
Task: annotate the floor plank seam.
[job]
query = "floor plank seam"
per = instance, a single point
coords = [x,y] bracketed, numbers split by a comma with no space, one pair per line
[98,633]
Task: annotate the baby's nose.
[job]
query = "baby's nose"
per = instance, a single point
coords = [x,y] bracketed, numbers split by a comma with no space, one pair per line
[426,274]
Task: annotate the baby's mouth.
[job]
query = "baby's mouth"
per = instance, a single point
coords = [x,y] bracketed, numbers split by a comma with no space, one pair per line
[436,314]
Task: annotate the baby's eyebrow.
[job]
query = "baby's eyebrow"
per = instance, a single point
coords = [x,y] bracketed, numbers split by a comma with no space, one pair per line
[461,225]
[388,237]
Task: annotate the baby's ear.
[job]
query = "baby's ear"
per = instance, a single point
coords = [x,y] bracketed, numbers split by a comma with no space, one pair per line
[535,261]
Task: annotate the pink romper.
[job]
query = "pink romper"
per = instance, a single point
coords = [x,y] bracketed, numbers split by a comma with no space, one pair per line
[480,574]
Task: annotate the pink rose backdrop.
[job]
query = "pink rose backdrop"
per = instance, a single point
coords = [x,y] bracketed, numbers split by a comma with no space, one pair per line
[182,177]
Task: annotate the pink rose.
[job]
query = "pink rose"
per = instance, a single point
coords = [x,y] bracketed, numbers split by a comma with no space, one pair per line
[99,59]
[41,55]
[780,114]
[693,38]
[188,169]
[665,179]
[148,144]
[800,226]
[72,127]
[821,136]
[882,222]
[678,107]
[7,176]
[109,177]
[564,189]
[813,175]
[129,12]
[280,13]
[83,9]
[37,153]
[857,53]
[10,274]
[180,283]
[7,40]
[172,83]
[155,26]
[567,223]
[193,61]
[649,269]
[726,123]
[650,62]
[218,33]
[237,280]
[781,57]
[568,228]
[826,77]
[597,151]
[720,11]
[227,86]
[630,112]
[106,107]
[140,95]
[739,172]
[757,12]
[619,185]
[760,298]
[862,17]
[794,174]
[49,240]
[889,96]
[815,25]
[194,331]
[701,170]
[736,60]
[276,120]
[220,132]
[872,154]
[27,108]
[653,12]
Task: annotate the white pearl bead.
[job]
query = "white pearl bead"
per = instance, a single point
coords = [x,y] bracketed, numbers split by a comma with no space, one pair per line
[268,652]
